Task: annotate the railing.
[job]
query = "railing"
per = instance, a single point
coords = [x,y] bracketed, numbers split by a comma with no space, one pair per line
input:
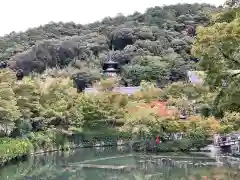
[228,142]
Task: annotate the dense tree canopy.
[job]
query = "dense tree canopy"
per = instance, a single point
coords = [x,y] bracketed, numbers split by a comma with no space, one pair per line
[46,104]
[154,46]
[232,3]
[40,103]
[162,37]
[218,48]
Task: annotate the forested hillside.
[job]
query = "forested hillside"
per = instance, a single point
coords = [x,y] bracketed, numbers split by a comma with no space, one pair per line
[158,46]
[152,46]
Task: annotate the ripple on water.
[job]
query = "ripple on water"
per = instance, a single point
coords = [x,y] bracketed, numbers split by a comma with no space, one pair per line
[111,163]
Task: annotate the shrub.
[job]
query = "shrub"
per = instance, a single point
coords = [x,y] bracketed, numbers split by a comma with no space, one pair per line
[183,145]
[11,149]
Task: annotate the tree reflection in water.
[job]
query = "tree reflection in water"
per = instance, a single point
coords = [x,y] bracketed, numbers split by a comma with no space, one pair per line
[65,166]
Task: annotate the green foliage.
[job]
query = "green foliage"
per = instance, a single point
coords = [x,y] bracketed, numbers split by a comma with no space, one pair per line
[8,103]
[52,111]
[151,35]
[107,85]
[220,43]
[42,139]
[231,121]
[141,123]
[13,148]
[28,98]
[178,145]
[49,140]
[225,15]
[35,104]
[218,48]
[148,68]
[232,3]
[153,50]
[186,90]
[184,145]
[189,97]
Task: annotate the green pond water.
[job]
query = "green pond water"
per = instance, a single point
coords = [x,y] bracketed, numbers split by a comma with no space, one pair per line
[114,164]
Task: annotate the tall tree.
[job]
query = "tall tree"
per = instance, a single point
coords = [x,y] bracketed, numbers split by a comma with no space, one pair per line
[218,48]
[232,3]
[8,104]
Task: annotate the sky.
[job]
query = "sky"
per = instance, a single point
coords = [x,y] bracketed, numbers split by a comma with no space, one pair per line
[19,15]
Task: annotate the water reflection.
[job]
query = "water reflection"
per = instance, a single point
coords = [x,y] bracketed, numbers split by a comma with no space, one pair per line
[122,165]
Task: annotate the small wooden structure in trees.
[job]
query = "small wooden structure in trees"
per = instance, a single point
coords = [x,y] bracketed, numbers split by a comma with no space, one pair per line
[111,68]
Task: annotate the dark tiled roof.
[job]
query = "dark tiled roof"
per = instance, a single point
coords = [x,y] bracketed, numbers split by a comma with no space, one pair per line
[192,77]
[125,90]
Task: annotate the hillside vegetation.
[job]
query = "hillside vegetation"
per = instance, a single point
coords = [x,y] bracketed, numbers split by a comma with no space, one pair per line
[152,46]
[157,46]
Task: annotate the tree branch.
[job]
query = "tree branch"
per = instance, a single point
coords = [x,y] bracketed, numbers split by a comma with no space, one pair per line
[236,74]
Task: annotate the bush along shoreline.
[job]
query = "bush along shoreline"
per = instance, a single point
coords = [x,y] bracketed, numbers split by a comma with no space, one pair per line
[63,119]
[17,149]
[50,114]
[13,150]
[180,145]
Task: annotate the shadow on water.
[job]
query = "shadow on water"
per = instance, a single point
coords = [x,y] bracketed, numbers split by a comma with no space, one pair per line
[111,163]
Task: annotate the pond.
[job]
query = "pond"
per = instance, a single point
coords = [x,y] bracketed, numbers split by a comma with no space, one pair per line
[112,164]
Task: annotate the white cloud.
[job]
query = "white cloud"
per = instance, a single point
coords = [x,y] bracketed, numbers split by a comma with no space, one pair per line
[18,15]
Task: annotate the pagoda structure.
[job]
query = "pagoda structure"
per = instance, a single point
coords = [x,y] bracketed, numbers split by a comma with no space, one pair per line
[112,69]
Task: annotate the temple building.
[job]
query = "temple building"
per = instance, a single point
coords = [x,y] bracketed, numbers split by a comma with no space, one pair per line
[194,77]
[126,90]
[112,69]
